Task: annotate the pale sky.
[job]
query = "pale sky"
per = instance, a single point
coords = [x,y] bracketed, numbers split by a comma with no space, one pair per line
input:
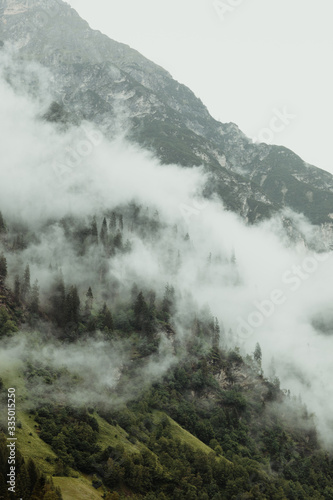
[245,59]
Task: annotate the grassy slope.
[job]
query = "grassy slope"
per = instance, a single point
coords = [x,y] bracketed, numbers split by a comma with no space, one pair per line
[77,488]
[28,441]
[184,436]
[31,446]
[108,433]
[72,488]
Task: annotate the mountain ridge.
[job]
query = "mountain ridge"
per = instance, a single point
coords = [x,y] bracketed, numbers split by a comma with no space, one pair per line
[95,76]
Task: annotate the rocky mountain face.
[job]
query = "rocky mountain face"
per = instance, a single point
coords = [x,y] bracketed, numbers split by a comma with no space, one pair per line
[96,78]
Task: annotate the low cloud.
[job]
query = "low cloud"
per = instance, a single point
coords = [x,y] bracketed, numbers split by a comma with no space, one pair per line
[49,172]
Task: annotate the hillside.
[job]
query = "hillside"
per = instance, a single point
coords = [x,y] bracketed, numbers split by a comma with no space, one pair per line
[252,438]
[165,290]
[211,426]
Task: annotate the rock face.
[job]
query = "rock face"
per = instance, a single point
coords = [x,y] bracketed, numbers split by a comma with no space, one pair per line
[113,85]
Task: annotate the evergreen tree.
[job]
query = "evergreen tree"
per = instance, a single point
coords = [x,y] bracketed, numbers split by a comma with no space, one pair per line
[104,232]
[18,243]
[94,231]
[22,482]
[2,224]
[34,300]
[89,301]
[113,222]
[26,286]
[3,268]
[151,300]
[168,304]
[17,288]
[58,299]
[33,474]
[121,222]
[105,319]
[7,325]
[216,334]
[257,355]
[140,311]
[118,240]
[72,305]
[223,336]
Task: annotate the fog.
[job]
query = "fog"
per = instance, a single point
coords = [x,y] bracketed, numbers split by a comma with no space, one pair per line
[263,285]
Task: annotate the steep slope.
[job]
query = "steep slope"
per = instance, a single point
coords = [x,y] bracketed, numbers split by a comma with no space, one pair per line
[111,84]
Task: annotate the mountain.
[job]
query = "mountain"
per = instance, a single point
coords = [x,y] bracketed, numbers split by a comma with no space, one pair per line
[152,357]
[114,86]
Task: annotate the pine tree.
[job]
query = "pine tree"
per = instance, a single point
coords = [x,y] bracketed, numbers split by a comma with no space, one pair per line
[223,337]
[168,304]
[18,243]
[118,240]
[113,222]
[104,232]
[33,474]
[57,299]
[121,222]
[2,224]
[105,319]
[94,231]
[22,482]
[17,288]
[257,355]
[72,306]
[140,311]
[3,268]
[216,334]
[151,300]
[89,301]
[26,286]
[34,300]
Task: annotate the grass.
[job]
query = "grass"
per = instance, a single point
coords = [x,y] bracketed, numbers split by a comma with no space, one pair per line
[184,436]
[31,446]
[181,434]
[77,488]
[110,435]
[12,376]
[28,441]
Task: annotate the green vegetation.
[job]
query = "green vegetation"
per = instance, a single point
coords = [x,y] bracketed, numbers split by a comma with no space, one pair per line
[29,482]
[210,426]
[77,488]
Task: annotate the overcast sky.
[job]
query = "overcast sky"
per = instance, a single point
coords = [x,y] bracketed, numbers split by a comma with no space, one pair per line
[245,59]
